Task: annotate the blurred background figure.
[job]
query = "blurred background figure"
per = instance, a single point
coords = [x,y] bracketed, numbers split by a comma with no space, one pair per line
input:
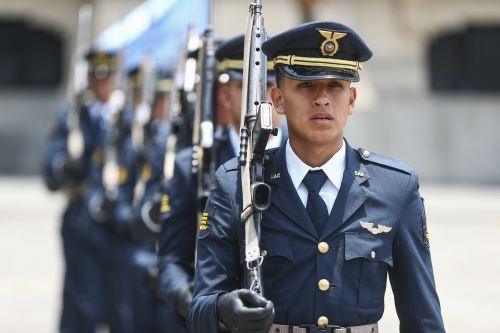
[70,169]
[434,79]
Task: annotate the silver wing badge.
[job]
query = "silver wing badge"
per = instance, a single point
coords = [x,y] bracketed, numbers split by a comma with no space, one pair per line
[380,228]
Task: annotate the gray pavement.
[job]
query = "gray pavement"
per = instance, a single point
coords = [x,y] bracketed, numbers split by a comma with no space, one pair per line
[464,225]
[30,256]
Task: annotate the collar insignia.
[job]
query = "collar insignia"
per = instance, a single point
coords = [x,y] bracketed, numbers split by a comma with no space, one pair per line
[330,45]
[379,230]
[275,176]
[359,173]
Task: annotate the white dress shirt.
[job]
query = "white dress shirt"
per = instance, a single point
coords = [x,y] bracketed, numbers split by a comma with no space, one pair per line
[234,138]
[333,168]
[101,110]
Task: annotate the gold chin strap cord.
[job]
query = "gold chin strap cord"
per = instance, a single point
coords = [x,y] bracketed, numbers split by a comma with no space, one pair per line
[293,60]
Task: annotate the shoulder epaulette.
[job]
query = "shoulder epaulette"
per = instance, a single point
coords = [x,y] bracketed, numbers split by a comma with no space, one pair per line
[384,161]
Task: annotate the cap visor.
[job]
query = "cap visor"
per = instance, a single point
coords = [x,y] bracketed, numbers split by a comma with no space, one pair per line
[305,73]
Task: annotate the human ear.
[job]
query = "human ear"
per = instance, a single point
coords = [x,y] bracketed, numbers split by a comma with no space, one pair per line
[277,99]
[353,94]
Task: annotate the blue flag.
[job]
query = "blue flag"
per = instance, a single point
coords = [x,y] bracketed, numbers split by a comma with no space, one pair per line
[157,30]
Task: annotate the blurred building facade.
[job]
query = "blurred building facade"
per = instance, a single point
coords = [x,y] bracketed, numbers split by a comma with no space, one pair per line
[428,96]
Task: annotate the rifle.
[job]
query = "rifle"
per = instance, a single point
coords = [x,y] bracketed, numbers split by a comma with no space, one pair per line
[111,172]
[77,92]
[203,165]
[77,83]
[136,97]
[256,126]
[181,102]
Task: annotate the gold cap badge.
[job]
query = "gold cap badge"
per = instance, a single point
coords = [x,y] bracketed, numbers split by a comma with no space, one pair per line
[330,45]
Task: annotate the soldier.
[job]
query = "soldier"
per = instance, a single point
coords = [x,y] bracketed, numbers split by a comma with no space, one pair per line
[178,235]
[148,305]
[340,219]
[82,290]
[109,201]
[157,131]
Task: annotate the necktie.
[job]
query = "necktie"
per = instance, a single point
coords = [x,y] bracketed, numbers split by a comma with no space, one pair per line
[316,207]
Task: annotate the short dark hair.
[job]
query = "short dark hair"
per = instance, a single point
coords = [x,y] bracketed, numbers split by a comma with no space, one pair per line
[279,77]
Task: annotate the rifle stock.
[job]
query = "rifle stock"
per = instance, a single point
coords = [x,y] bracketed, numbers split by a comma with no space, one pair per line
[184,79]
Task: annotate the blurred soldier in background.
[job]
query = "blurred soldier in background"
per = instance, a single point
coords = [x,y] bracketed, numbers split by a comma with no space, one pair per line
[148,205]
[223,105]
[82,291]
[110,207]
[179,219]
[157,131]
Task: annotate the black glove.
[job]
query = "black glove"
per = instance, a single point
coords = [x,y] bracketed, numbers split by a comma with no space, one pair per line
[245,311]
[73,169]
[182,299]
[102,209]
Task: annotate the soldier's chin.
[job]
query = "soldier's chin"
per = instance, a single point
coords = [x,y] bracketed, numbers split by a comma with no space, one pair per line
[322,136]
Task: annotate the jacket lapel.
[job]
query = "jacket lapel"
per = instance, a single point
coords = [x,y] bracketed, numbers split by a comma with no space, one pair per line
[352,193]
[284,195]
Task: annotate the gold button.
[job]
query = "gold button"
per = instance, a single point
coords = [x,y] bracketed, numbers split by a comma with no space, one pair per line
[323,285]
[323,247]
[322,321]
[373,254]
[366,153]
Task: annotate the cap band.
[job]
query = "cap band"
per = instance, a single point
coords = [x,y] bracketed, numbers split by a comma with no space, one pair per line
[293,60]
[237,64]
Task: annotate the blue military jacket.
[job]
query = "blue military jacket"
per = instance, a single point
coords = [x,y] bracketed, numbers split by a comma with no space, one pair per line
[117,134]
[152,175]
[377,227]
[152,168]
[56,151]
[179,214]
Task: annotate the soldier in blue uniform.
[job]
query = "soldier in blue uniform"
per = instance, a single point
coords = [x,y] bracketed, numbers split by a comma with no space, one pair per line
[82,290]
[340,219]
[178,235]
[157,131]
[148,307]
[109,205]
